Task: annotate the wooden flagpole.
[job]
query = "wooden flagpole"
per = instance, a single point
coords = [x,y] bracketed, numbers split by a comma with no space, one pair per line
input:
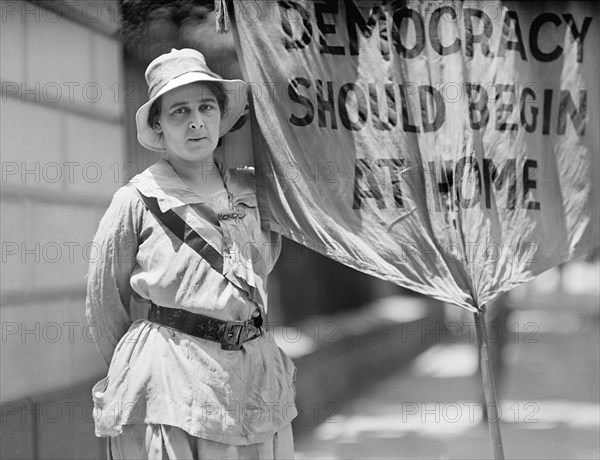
[489,387]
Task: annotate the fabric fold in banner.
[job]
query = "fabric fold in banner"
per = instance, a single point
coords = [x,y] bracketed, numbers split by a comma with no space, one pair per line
[451,148]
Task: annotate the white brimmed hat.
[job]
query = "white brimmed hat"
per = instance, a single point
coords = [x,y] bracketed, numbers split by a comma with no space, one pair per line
[179,68]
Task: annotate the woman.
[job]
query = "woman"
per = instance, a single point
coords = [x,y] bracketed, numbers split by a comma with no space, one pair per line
[197,378]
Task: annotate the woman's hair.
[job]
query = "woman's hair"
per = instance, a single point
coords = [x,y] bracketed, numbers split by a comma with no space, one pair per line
[216,88]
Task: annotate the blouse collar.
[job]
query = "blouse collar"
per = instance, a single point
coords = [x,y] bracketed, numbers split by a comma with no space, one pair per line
[162,182]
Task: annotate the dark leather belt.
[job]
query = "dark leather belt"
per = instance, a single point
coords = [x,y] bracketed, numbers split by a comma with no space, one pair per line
[230,334]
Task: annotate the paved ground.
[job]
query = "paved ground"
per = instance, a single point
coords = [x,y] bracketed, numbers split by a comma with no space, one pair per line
[549,392]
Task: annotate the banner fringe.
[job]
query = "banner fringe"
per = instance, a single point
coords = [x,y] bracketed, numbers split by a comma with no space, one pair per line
[222,16]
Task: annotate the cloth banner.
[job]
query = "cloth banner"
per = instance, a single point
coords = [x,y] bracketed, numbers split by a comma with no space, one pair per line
[449,147]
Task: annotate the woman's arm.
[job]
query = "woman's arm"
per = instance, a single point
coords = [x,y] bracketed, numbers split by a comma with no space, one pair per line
[112,260]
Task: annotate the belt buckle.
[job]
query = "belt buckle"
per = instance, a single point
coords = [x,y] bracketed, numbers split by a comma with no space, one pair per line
[235,335]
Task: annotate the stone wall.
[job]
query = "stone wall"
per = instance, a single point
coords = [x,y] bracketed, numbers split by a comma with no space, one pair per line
[62,144]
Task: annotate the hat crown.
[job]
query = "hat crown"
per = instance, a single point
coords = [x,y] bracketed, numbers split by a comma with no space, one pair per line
[172,65]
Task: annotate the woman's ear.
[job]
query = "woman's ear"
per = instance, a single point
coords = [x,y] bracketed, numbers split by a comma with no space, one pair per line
[157,127]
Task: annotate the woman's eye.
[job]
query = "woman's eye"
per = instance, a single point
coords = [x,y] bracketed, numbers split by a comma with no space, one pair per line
[180,111]
[207,107]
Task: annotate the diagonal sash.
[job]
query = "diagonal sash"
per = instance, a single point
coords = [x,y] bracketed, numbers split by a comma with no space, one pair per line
[183,231]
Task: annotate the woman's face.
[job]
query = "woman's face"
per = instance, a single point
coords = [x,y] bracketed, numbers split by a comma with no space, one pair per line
[189,121]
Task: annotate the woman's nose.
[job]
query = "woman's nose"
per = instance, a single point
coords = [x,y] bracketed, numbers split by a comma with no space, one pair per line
[196,122]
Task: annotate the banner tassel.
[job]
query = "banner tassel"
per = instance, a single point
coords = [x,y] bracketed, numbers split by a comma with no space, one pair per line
[222,16]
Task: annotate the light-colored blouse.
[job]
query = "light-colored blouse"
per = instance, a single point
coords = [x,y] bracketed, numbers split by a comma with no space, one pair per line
[162,376]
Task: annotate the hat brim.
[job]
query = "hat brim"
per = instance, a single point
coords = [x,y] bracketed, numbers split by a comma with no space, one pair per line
[236,103]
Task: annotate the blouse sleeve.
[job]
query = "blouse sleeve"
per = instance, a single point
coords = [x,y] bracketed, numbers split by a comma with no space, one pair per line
[112,262]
